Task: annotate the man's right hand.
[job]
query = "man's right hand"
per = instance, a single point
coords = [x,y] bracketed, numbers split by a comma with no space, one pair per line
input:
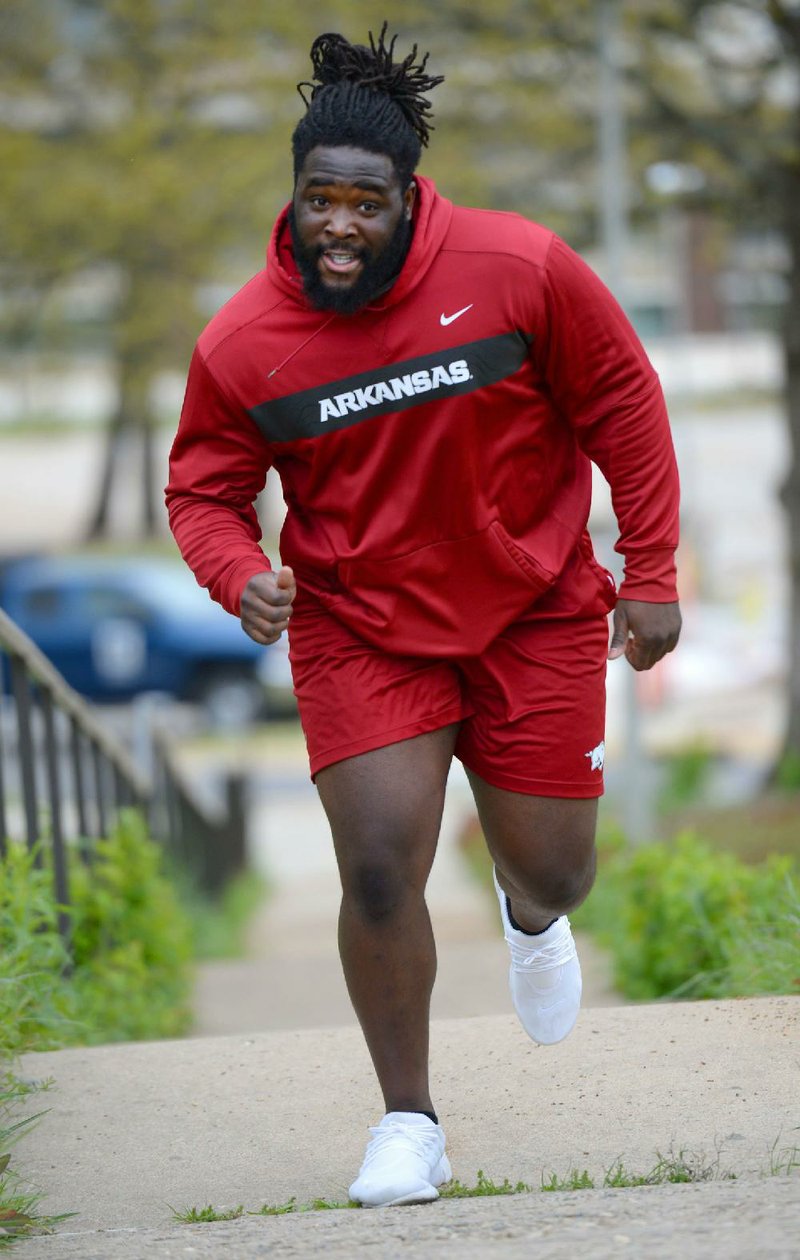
[267,604]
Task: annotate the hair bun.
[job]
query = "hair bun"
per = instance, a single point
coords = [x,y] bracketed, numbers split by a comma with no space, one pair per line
[335,60]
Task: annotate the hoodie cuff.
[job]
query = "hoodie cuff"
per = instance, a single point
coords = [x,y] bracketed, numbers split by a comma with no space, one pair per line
[232,588]
[650,576]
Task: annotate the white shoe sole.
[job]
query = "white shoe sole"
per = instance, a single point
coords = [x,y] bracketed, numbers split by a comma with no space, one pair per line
[425,1194]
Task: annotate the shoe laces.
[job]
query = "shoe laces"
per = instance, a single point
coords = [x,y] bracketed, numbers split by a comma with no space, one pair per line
[414,1137]
[545,958]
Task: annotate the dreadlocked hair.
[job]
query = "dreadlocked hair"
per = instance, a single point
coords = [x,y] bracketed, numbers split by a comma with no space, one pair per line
[363,98]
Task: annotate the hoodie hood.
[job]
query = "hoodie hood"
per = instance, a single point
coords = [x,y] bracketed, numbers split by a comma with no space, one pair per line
[431,218]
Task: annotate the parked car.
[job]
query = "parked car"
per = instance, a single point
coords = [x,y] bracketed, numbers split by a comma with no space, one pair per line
[117,627]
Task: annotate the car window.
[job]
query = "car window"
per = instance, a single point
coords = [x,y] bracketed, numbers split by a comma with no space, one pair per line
[176,590]
[101,602]
[42,601]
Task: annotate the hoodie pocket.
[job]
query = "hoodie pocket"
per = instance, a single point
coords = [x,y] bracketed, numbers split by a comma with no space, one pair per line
[446,599]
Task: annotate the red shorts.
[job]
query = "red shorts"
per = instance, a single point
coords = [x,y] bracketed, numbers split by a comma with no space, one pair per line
[531,706]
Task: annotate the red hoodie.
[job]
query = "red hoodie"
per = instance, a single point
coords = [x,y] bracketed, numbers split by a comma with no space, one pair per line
[434,448]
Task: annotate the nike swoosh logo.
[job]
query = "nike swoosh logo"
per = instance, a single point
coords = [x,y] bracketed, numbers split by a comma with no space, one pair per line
[551,1006]
[444,320]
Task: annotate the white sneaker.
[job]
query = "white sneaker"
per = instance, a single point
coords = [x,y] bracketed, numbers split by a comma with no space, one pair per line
[544,977]
[404,1163]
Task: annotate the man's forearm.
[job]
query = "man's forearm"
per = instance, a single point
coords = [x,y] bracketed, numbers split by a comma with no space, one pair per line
[220,546]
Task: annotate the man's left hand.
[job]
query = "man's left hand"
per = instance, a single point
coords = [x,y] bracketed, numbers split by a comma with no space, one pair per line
[644,632]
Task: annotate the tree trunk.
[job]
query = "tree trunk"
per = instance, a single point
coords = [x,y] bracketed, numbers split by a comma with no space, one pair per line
[129,420]
[150,479]
[790,491]
[98,526]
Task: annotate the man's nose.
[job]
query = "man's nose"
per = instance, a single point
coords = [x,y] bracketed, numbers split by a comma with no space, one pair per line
[340,222]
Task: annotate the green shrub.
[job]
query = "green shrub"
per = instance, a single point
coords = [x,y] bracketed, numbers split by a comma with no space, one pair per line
[130,976]
[787,774]
[219,924]
[683,919]
[36,1007]
[131,940]
[686,776]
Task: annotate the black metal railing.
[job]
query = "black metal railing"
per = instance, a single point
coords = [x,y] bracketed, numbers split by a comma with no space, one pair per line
[208,839]
[72,777]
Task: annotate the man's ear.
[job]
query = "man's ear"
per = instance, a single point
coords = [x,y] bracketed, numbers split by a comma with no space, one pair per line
[409,197]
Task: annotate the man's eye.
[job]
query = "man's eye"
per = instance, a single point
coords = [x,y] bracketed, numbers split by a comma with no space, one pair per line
[319,202]
[369,206]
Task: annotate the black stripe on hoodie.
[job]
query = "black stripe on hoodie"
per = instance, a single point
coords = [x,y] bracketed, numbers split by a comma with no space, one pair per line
[394,387]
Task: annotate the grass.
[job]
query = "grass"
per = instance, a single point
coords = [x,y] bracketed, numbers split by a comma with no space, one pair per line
[671,1169]
[574,1180]
[783,1160]
[483,1187]
[198,1216]
[674,1168]
[207,1215]
[19,1207]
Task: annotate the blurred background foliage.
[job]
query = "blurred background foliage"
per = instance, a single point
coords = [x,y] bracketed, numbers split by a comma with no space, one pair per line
[145,151]
[151,137]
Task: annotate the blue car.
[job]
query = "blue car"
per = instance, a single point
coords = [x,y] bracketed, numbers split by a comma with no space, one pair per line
[116,627]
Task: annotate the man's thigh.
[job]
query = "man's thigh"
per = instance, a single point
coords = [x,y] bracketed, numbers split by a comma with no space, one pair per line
[538,840]
[385,808]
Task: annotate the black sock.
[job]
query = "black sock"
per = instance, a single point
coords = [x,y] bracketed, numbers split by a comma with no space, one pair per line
[430,1114]
[525,931]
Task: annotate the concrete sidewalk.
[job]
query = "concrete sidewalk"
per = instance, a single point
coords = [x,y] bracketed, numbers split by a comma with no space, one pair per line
[732,1219]
[134,1131]
[276,1105]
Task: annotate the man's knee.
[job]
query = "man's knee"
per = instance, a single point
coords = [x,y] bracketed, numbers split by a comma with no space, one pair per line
[374,889]
[559,877]
[565,888]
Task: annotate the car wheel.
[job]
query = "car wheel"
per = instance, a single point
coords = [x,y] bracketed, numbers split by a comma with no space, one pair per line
[232,697]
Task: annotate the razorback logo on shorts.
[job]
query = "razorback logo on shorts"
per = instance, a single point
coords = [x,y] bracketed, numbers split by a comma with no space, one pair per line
[597,756]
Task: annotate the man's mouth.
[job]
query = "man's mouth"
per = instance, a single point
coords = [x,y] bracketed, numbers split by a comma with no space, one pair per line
[340,261]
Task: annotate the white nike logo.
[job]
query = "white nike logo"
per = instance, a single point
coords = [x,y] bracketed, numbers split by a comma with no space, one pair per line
[551,1006]
[444,320]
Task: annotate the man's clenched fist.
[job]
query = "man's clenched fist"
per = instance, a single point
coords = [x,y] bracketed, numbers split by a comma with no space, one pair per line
[644,632]
[267,604]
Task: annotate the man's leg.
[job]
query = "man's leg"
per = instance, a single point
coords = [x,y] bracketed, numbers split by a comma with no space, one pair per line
[543,850]
[534,751]
[385,810]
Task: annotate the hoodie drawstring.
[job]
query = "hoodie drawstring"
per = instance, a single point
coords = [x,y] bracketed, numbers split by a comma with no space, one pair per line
[302,345]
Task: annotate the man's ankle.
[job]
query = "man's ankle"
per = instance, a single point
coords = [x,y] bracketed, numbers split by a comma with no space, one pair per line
[529,928]
[414,1110]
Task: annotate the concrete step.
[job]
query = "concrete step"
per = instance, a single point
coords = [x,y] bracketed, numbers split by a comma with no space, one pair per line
[734,1219]
[136,1130]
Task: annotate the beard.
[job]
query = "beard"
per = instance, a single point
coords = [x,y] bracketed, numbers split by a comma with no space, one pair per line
[378,271]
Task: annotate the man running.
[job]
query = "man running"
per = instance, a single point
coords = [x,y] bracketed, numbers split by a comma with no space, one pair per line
[431,383]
